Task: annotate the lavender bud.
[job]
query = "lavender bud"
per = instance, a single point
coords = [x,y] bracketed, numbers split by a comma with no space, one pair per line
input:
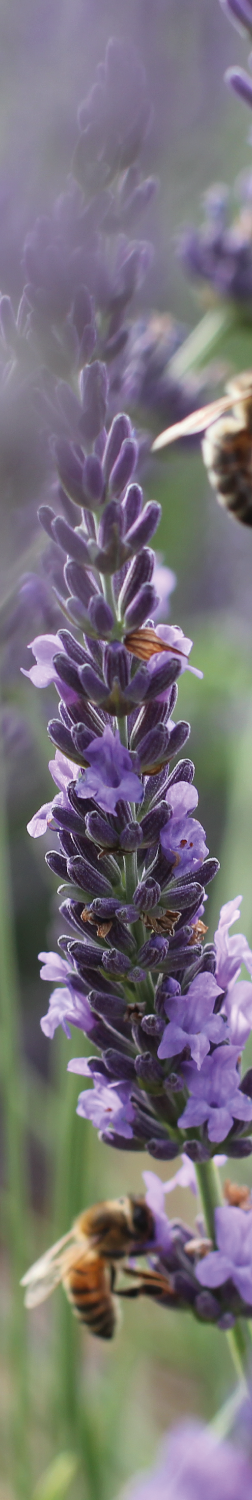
[101,616]
[111,525]
[178,736]
[66,671]
[73,647]
[147,1068]
[161,678]
[181,896]
[139,572]
[93,686]
[131,837]
[206,1307]
[143,529]
[115,962]
[154,951]
[70,470]
[120,1142]
[118,1064]
[153,822]
[116,664]
[100,832]
[132,505]
[208,870]
[163,1150]
[196,1151]
[93,390]
[79,582]
[152,1025]
[183,771]
[61,737]
[143,605]
[239,1149]
[71,541]
[154,747]
[87,877]
[93,483]
[57,863]
[226,1322]
[184,1288]
[124,467]
[147,895]
[46,516]
[120,429]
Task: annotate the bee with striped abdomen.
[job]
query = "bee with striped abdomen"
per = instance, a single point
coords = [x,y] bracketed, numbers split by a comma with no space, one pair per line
[85,1261]
[227,446]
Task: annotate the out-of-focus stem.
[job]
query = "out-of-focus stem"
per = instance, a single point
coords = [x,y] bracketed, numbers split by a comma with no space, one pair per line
[11,1084]
[238,1337]
[204,340]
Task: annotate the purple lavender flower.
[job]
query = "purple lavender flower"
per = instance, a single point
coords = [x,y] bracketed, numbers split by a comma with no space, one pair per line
[108,1105]
[191,1020]
[233,1258]
[62,770]
[111,777]
[231,953]
[215,1095]
[191,1462]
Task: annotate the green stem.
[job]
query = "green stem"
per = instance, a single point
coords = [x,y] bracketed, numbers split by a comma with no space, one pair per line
[238,1337]
[210,1192]
[73,1191]
[12,1093]
[204,340]
[224,1420]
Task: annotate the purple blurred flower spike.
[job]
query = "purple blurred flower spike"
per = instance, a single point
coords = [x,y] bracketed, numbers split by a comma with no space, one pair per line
[94,393]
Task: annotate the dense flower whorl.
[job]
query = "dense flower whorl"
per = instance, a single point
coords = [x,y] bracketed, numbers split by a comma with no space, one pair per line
[164,1009]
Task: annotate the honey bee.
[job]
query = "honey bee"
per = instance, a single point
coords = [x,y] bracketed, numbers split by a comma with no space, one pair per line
[85,1261]
[227,447]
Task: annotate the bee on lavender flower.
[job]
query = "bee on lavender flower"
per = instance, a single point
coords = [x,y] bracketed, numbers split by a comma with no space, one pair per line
[227,447]
[85,1260]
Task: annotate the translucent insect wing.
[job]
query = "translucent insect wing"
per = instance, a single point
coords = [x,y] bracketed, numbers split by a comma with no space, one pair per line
[45,1273]
[198,421]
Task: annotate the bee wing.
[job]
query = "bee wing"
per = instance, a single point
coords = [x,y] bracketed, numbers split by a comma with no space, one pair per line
[198,421]
[46,1272]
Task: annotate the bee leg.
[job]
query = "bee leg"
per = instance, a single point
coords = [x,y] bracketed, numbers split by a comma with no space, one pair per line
[150,1284]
